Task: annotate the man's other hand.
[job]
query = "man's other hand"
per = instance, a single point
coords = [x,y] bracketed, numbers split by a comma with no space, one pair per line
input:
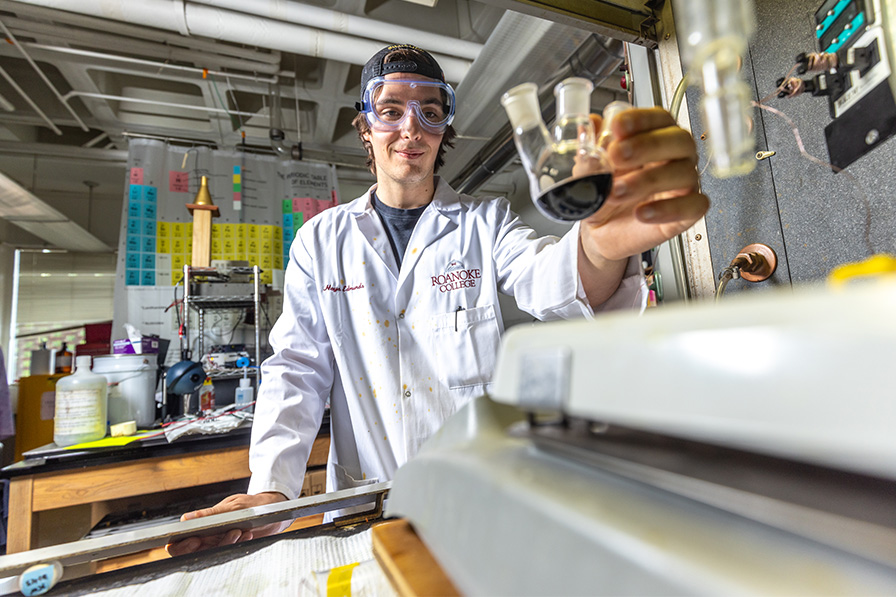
[229,504]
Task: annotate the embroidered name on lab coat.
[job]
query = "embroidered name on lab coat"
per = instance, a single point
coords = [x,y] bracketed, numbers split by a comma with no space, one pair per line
[343,288]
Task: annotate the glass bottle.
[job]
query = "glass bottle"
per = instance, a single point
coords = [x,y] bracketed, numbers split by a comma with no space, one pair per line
[64,359]
[569,174]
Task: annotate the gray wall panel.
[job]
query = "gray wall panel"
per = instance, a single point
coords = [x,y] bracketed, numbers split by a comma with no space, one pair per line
[813,218]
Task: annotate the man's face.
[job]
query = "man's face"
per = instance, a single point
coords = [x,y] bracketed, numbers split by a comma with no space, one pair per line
[408,153]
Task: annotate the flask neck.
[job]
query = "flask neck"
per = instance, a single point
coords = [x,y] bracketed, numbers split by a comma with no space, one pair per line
[531,144]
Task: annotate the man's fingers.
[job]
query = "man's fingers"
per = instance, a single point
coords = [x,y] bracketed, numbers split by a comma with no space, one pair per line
[199,513]
[184,547]
[683,210]
[659,145]
[230,537]
[639,120]
[654,178]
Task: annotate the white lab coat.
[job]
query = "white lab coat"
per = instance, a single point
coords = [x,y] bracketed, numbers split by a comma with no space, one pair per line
[397,351]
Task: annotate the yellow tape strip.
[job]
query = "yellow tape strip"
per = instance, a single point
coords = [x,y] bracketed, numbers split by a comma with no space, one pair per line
[339,582]
[876,266]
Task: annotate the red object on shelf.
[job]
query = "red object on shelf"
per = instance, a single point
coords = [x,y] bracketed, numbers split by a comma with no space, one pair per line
[93,349]
[98,332]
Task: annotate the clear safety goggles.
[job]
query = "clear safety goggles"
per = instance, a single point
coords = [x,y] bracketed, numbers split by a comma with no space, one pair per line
[388,102]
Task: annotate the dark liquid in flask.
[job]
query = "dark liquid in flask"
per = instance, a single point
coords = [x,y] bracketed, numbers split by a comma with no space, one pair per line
[576,199]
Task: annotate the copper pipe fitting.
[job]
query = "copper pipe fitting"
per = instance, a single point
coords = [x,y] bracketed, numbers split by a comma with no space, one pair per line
[756,262]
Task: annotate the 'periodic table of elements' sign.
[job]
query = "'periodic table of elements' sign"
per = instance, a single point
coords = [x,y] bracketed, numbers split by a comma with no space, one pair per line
[263,201]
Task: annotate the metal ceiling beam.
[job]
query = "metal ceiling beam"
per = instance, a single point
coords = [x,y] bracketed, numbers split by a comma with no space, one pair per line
[22,208]
[626,20]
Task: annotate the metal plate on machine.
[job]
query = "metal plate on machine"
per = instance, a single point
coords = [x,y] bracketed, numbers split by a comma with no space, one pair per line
[870,122]
[544,378]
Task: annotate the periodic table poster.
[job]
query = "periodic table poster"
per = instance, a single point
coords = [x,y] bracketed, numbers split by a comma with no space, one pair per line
[263,200]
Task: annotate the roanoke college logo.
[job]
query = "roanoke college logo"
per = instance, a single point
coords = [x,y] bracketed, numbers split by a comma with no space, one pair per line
[456,277]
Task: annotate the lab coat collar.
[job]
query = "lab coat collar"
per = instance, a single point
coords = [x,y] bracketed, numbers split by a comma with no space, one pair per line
[445,199]
[435,221]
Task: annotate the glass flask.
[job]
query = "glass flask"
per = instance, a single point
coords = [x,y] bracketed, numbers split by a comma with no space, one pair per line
[569,173]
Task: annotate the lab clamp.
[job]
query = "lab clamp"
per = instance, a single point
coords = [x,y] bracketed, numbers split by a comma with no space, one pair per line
[569,174]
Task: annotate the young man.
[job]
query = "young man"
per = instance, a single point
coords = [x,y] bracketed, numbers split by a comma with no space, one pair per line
[391,301]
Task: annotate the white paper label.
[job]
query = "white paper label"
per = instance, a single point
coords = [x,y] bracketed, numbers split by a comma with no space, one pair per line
[77,412]
[47,406]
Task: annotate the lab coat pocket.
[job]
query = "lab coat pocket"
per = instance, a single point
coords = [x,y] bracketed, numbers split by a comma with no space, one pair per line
[465,346]
[345,481]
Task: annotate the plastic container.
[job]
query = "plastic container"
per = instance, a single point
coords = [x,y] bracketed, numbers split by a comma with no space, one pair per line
[244,394]
[40,360]
[80,406]
[132,387]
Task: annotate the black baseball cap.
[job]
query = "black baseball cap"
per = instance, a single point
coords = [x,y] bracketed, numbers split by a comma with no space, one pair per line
[423,64]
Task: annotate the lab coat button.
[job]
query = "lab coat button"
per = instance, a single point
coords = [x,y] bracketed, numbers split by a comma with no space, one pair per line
[401,316]
[407,393]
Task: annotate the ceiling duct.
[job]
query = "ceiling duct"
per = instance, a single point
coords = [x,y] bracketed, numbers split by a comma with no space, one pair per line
[535,50]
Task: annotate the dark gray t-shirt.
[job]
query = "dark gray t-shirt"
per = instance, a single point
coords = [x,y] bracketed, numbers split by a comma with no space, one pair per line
[399,224]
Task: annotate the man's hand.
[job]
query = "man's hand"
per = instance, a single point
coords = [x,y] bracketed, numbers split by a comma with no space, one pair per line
[655,197]
[229,504]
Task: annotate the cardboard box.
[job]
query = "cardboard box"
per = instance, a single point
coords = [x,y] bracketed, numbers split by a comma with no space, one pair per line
[148,345]
[315,482]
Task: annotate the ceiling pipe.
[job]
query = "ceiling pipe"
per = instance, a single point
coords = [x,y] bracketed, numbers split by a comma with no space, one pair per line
[173,41]
[157,66]
[5,104]
[95,140]
[256,31]
[161,14]
[137,100]
[340,22]
[31,103]
[113,42]
[206,21]
[278,138]
[43,77]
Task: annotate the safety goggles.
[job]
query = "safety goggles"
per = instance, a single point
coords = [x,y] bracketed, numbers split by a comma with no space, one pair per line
[388,102]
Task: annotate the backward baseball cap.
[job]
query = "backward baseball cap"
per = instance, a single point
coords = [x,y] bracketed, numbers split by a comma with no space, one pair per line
[424,64]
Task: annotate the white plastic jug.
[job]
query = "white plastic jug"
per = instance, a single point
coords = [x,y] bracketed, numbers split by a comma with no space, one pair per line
[132,387]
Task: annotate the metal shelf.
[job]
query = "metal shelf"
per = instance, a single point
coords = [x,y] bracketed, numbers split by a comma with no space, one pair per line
[201,304]
[221,302]
[235,374]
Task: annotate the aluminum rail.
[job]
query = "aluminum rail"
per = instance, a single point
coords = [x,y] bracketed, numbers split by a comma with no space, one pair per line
[88,550]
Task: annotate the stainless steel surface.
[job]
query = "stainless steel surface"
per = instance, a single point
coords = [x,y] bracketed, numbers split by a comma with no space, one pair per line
[89,550]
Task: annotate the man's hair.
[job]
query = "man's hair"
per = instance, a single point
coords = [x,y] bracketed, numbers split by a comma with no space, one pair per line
[362,126]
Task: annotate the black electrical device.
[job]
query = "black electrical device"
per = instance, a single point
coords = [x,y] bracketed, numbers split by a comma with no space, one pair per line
[859,88]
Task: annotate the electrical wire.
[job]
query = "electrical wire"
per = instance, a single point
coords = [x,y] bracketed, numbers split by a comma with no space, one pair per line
[863,197]
[780,87]
[184,423]
[235,121]
[678,96]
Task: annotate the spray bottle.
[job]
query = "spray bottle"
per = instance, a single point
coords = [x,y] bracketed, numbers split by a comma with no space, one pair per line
[244,395]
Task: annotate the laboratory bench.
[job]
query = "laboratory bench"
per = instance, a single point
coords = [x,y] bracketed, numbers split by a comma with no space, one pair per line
[57,496]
